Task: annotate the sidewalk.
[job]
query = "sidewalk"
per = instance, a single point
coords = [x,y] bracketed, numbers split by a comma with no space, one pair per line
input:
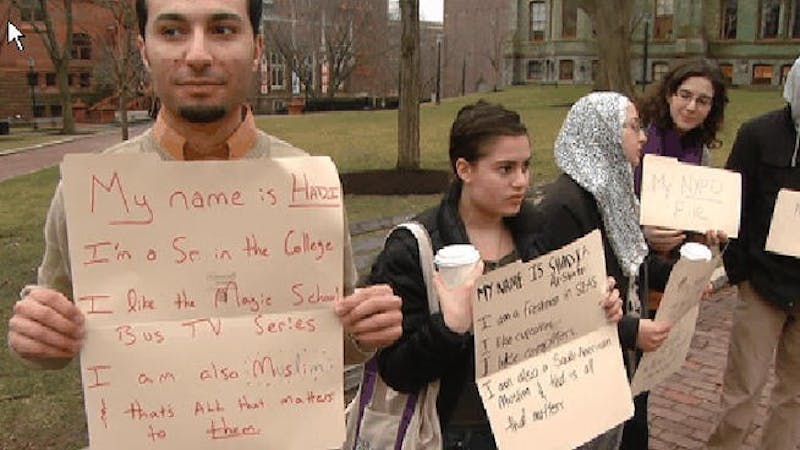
[30,159]
[683,409]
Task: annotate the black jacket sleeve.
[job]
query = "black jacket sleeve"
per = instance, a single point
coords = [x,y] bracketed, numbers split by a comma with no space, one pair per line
[568,218]
[427,347]
[743,160]
[658,271]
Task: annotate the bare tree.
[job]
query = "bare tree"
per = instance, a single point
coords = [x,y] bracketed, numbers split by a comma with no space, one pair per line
[296,38]
[121,63]
[4,29]
[497,35]
[613,25]
[350,27]
[408,115]
[60,54]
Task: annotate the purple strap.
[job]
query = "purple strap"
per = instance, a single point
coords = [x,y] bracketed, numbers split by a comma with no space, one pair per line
[408,412]
[367,391]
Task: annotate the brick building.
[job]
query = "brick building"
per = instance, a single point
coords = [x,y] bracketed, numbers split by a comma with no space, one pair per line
[296,33]
[550,41]
[477,33]
[90,26]
[375,55]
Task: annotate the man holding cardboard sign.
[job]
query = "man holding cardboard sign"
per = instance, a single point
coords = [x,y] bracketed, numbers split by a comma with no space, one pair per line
[766,317]
[201,56]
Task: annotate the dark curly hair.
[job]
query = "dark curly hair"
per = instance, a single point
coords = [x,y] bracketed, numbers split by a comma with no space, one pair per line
[477,124]
[654,109]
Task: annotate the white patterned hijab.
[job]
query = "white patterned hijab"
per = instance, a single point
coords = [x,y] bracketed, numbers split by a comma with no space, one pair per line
[589,149]
[791,92]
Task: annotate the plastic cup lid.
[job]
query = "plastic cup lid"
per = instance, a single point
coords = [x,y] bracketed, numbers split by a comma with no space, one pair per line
[695,251]
[456,255]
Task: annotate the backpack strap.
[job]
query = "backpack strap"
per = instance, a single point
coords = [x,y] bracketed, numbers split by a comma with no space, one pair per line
[425,260]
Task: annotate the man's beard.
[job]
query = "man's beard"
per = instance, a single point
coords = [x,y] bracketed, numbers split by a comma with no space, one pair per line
[202,114]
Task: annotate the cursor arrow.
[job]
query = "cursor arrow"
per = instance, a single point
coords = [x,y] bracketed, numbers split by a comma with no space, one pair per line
[14,34]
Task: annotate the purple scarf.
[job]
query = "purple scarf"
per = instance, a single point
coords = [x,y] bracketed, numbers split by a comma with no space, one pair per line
[667,143]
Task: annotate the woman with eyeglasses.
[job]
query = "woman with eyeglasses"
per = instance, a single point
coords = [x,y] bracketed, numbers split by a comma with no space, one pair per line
[598,147]
[682,115]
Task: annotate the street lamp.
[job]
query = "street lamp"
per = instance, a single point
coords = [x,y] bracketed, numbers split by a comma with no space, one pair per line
[33,80]
[438,69]
[644,52]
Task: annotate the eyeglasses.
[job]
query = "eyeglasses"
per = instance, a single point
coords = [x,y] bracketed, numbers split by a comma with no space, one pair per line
[635,125]
[687,96]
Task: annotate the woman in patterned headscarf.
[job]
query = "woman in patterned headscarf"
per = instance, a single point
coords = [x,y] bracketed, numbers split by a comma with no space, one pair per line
[597,148]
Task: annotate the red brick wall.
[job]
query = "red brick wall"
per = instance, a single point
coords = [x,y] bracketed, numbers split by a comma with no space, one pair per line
[15,95]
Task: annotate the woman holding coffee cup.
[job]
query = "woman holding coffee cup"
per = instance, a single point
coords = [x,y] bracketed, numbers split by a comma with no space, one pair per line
[485,211]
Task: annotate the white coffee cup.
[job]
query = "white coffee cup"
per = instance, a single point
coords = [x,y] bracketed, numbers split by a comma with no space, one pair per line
[455,262]
[694,251]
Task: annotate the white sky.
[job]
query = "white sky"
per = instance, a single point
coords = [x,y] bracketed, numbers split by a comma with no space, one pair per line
[431,10]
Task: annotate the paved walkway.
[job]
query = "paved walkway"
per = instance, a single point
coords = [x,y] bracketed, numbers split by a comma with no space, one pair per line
[33,159]
[682,409]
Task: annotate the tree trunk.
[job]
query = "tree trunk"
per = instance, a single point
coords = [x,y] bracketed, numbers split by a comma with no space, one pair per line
[123,114]
[64,93]
[125,78]
[612,20]
[408,114]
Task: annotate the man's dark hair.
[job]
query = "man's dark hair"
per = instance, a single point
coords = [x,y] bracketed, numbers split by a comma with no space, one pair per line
[254,9]
[477,124]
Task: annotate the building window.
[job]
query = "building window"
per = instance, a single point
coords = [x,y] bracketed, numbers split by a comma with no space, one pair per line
[55,110]
[538,12]
[535,70]
[50,79]
[393,11]
[659,70]
[569,19]
[566,69]
[38,111]
[762,74]
[81,46]
[277,72]
[71,79]
[662,28]
[727,72]
[795,29]
[785,72]
[31,11]
[770,18]
[85,80]
[729,13]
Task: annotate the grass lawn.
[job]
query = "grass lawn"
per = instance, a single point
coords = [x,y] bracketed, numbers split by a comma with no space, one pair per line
[44,410]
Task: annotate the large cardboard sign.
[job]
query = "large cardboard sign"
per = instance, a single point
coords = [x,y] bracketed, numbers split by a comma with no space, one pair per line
[543,349]
[208,290]
[689,197]
[680,307]
[782,236]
